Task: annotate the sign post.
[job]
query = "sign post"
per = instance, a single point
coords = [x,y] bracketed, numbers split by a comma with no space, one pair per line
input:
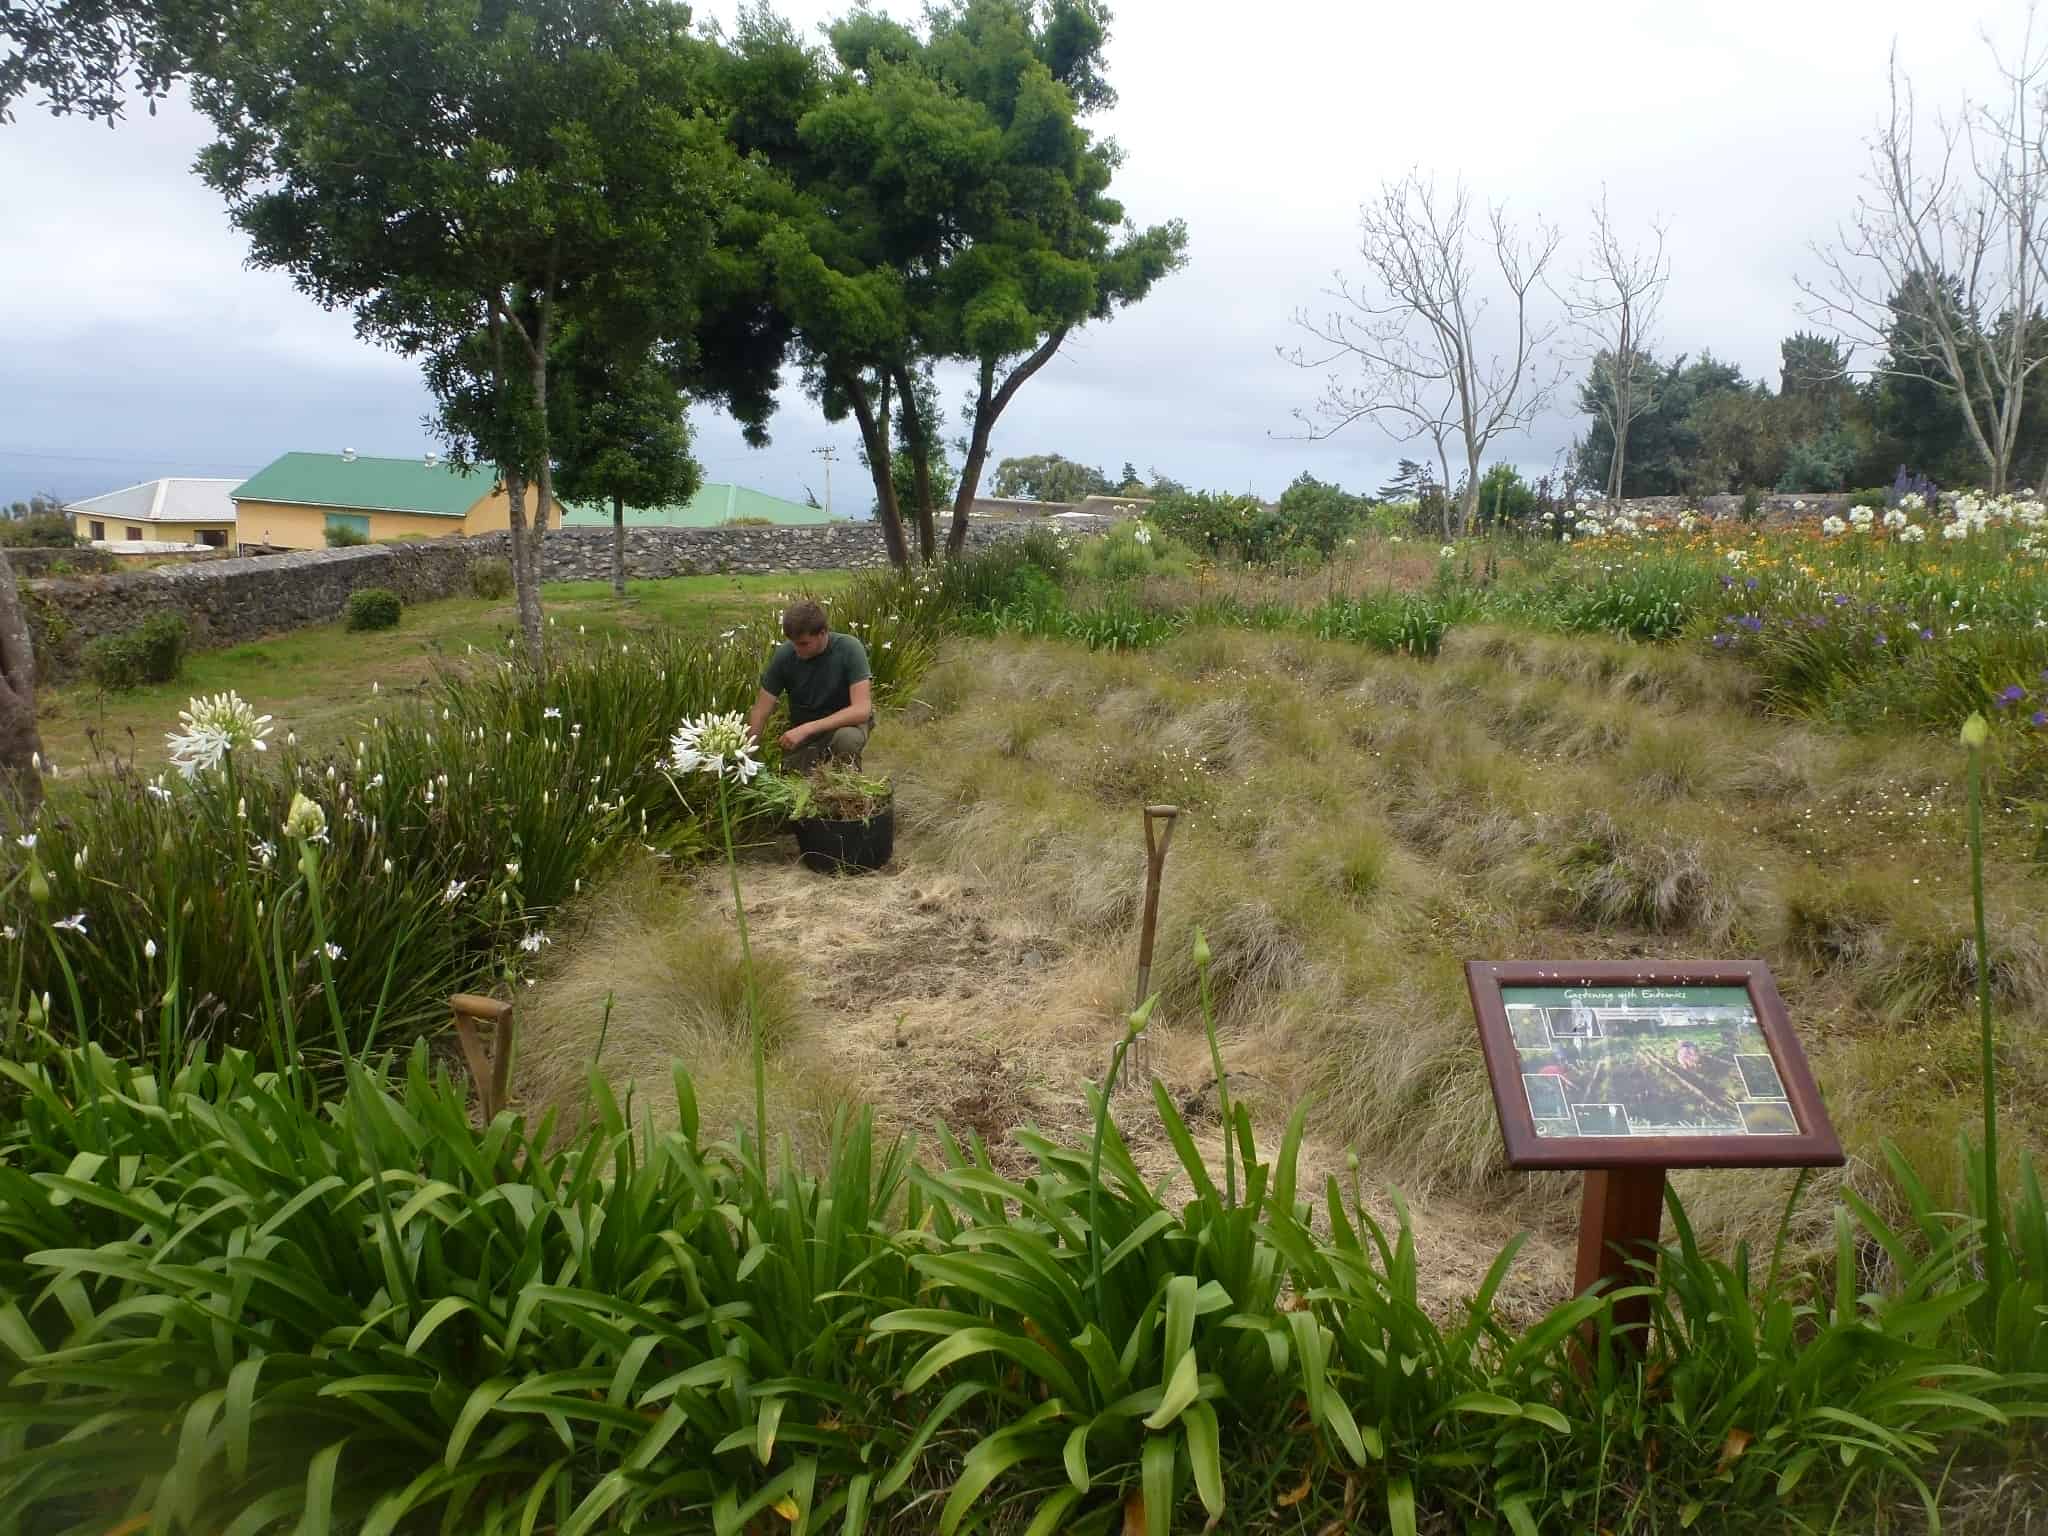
[1630,1069]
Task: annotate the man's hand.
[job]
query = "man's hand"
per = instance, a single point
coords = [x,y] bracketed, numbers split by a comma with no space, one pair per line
[794,737]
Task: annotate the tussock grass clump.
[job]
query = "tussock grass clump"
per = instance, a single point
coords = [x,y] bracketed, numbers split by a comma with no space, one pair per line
[1669,760]
[646,975]
[1906,954]
[1635,872]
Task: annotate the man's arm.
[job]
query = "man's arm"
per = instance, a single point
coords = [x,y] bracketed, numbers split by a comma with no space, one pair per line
[859,706]
[764,706]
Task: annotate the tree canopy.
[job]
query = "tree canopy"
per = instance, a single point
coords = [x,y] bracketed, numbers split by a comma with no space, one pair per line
[1050,477]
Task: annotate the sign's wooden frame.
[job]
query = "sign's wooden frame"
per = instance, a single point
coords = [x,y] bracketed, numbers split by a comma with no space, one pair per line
[1815,1145]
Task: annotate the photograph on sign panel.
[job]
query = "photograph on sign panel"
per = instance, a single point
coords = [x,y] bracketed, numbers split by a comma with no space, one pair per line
[1645,1061]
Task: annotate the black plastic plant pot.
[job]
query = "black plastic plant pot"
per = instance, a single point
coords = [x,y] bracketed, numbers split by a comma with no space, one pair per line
[847,847]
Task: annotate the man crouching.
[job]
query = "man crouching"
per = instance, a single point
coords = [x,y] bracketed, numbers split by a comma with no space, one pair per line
[831,697]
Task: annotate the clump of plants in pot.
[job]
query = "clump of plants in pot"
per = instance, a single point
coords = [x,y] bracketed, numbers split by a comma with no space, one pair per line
[844,819]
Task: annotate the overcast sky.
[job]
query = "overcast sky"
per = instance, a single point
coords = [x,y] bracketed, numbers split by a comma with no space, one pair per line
[138,344]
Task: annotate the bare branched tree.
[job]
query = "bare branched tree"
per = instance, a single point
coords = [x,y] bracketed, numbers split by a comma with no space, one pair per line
[1942,269]
[1613,301]
[1414,328]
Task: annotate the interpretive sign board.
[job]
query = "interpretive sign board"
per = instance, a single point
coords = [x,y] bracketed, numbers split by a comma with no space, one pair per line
[1623,1064]
[1627,1069]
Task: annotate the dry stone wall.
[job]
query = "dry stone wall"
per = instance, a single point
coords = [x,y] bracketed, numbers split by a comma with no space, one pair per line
[229,601]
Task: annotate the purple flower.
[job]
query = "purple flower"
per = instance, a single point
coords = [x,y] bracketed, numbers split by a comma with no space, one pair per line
[1720,642]
[1841,599]
[2009,696]
[1750,622]
[1926,634]
[2038,718]
[1880,637]
[1750,584]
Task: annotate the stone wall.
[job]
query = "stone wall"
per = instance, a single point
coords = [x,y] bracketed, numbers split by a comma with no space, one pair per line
[229,601]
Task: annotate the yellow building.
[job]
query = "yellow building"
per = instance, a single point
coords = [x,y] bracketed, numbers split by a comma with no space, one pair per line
[293,503]
[179,512]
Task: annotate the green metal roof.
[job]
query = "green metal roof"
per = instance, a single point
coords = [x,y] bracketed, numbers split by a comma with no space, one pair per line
[712,505]
[377,485]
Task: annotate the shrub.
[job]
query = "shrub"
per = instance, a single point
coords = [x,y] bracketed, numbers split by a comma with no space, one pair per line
[1752,505]
[374,608]
[491,577]
[152,652]
[1131,551]
[39,530]
[1876,497]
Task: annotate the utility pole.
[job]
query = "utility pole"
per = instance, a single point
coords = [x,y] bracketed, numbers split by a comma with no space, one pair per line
[828,454]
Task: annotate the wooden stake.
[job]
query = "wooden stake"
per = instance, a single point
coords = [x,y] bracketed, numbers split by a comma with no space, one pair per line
[1163,817]
[492,1077]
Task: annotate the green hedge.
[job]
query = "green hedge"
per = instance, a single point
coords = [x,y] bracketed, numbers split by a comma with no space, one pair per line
[152,652]
[374,608]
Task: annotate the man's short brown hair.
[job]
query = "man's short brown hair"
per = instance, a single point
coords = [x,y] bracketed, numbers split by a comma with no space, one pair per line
[804,618]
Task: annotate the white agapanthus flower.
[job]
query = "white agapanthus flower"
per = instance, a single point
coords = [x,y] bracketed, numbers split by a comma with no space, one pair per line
[149,949]
[1912,501]
[1448,551]
[1833,525]
[1896,519]
[454,892]
[533,941]
[213,727]
[714,744]
[1141,535]
[305,822]
[1862,517]
[1912,533]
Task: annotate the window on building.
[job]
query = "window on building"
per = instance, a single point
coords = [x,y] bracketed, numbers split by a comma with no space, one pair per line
[214,538]
[348,528]
[135,533]
[99,530]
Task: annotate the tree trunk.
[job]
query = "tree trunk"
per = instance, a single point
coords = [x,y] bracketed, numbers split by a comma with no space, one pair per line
[525,590]
[920,467]
[874,434]
[618,545]
[970,472]
[545,469]
[21,745]
[525,585]
[987,407]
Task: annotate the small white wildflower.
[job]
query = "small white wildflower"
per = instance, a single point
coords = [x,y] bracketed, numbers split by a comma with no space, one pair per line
[512,869]
[9,933]
[387,866]
[149,949]
[305,821]
[75,922]
[1448,551]
[265,852]
[533,941]
[454,892]
[27,840]
[551,713]
[78,860]
[332,951]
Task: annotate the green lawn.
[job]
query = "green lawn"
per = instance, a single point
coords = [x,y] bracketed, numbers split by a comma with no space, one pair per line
[318,680]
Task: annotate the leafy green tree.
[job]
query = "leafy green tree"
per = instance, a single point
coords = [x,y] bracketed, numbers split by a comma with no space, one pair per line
[85,56]
[1318,515]
[934,197]
[621,434]
[1130,482]
[1049,477]
[470,181]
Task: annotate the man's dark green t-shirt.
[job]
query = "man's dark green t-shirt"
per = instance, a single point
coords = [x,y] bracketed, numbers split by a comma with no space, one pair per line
[821,686]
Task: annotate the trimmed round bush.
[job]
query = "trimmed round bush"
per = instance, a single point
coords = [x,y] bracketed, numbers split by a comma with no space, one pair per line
[374,608]
[490,577]
[152,652]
